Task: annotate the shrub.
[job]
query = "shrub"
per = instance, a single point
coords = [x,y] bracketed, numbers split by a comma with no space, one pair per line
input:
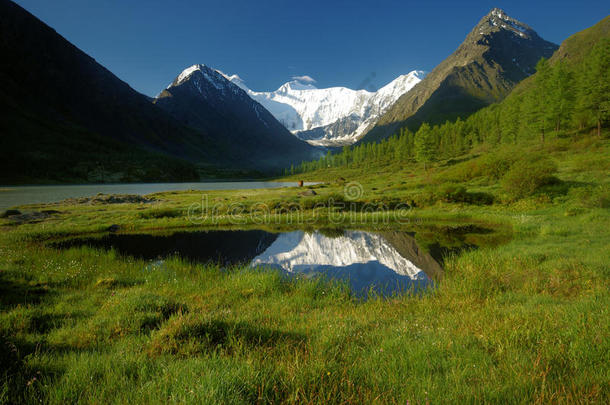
[491,165]
[496,165]
[480,198]
[526,176]
[452,193]
[590,197]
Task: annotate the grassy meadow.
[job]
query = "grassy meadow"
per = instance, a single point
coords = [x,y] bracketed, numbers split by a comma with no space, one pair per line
[522,320]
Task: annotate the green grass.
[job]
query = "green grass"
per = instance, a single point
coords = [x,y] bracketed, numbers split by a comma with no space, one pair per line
[522,321]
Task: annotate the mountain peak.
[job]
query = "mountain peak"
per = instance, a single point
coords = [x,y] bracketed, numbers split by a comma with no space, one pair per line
[296,85]
[499,52]
[214,76]
[497,12]
[327,114]
[497,20]
[198,75]
[187,72]
[213,103]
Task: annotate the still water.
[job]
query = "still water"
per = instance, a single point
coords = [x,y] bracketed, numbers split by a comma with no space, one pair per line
[11,196]
[386,262]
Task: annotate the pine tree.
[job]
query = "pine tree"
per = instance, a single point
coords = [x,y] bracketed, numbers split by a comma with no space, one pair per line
[425,148]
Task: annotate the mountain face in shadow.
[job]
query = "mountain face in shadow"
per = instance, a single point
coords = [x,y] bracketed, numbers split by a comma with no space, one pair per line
[407,246]
[202,98]
[64,116]
[497,54]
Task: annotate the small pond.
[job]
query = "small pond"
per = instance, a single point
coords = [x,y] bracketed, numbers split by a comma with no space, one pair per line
[387,262]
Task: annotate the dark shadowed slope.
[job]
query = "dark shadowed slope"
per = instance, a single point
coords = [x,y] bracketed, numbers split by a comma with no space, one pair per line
[64,117]
[204,99]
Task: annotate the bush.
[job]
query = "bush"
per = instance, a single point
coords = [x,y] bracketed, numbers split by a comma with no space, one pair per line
[492,166]
[451,193]
[480,198]
[590,197]
[454,193]
[526,176]
[496,165]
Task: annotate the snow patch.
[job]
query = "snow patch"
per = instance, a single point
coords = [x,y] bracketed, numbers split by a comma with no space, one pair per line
[187,72]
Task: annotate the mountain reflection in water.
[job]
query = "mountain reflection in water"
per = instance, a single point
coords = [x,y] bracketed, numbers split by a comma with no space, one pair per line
[387,262]
[365,260]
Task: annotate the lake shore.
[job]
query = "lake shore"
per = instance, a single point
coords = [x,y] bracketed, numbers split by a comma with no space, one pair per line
[35,194]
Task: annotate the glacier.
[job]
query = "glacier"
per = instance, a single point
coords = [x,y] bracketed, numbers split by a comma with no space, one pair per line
[332,116]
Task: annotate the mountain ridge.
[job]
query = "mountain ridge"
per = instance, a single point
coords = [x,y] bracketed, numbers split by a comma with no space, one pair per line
[202,98]
[332,116]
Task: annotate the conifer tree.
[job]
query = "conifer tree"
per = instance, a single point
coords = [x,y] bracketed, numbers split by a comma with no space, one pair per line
[561,96]
[537,104]
[595,86]
[425,148]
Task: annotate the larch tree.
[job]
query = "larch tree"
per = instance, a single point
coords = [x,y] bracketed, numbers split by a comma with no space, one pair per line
[425,147]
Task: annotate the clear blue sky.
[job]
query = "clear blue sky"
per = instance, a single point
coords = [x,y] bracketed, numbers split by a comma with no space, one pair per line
[339,43]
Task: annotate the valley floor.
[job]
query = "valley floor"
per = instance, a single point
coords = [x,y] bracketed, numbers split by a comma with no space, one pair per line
[522,319]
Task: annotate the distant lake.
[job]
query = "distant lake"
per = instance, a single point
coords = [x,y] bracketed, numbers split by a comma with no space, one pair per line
[11,196]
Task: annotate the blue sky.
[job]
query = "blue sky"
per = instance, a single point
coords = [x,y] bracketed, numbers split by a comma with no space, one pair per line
[339,43]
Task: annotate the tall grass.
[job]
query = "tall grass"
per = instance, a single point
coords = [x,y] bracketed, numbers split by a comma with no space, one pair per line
[523,321]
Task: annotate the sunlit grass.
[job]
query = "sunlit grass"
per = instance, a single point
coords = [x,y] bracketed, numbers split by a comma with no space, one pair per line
[523,320]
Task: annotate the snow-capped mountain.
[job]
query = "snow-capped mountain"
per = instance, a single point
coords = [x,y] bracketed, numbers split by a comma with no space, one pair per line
[202,98]
[332,116]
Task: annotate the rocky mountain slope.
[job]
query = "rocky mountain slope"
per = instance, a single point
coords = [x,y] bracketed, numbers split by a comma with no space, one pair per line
[65,118]
[498,53]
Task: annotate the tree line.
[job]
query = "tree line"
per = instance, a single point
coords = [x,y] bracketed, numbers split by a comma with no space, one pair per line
[559,98]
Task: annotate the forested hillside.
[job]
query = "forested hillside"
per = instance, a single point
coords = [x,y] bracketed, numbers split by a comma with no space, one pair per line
[569,95]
